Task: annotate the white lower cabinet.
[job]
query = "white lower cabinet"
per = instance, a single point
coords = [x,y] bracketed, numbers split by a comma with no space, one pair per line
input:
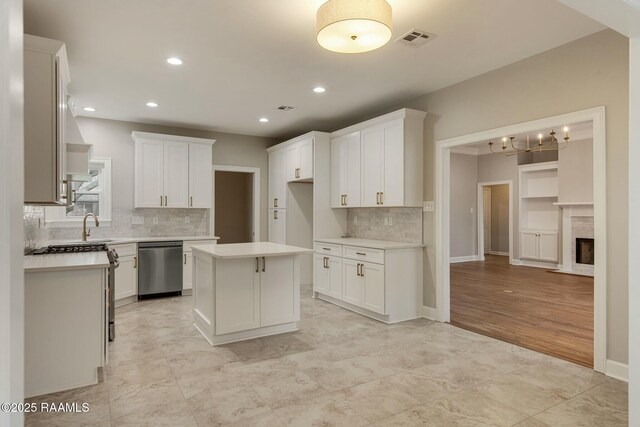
[187,262]
[127,271]
[383,284]
[278,292]
[539,245]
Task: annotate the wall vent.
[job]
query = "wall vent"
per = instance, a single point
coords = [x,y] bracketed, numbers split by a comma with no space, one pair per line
[285,108]
[415,38]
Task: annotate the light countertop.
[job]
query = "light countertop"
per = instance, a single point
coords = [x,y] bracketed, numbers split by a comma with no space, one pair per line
[55,262]
[249,250]
[123,240]
[369,243]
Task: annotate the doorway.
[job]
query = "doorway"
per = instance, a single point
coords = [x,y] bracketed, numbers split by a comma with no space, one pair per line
[235,212]
[495,219]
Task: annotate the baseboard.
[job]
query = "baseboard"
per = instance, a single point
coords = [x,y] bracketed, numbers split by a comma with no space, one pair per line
[429,313]
[498,253]
[617,370]
[468,258]
[536,264]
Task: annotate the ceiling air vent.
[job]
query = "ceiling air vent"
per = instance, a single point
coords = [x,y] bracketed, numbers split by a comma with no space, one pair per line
[285,108]
[415,38]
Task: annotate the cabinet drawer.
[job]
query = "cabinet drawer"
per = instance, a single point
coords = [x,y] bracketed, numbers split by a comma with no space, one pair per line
[125,249]
[328,249]
[186,246]
[364,254]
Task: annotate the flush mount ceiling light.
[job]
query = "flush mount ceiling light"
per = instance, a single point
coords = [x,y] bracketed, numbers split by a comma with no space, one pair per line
[319,89]
[152,104]
[89,109]
[263,120]
[174,61]
[353,26]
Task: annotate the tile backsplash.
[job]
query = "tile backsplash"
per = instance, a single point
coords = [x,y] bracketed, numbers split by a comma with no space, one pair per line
[170,222]
[395,224]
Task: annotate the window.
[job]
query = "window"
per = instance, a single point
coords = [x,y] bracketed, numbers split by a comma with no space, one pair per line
[92,196]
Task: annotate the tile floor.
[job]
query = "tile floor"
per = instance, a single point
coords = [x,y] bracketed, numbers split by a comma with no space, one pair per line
[339,369]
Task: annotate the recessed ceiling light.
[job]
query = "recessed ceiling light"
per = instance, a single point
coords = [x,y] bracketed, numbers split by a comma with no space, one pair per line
[89,109]
[319,89]
[174,61]
[152,104]
[263,120]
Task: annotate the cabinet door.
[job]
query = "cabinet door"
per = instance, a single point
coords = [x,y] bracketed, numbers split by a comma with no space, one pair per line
[529,245]
[372,164]
[277,180]
[293,162]
[352,170]
[320,274]
[200,179]
[126,277]
[237,295]
[278,226]
[338,171]
[548,246]
[335,276]
[279,291]
[149,173]
[306,159]
[373,293]
[273,164]
[176,175]
[187,270]
[393,163]
[353,284]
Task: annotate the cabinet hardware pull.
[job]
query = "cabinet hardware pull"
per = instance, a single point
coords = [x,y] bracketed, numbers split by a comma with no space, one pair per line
[358,270]
[326,249]
[345,200]
[361,253]
[377,198]
[264,264]
[382,198]
[191,201]
[135,262]
[361,270]
[165,201]
[185,259]
[275,214]
[275,202]
[325,260]
[160,200]
[257,265]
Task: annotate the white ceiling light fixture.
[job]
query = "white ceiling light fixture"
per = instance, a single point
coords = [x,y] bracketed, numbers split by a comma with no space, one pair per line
[319,89]
[263,120]
[89,109]
[353,26]
[174,61]
[152,104]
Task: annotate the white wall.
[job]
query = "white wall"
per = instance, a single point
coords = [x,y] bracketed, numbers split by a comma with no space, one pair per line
[11,212]
[464,222]
[111,138]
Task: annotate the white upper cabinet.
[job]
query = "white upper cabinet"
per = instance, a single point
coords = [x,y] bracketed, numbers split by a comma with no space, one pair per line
[172,172]
[345,167]
[46,76]
[277,180]
[300,160]
[200,175]
[388,170]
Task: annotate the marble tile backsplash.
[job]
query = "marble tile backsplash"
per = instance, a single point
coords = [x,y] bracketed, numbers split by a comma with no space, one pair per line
[35,233]
[395,224]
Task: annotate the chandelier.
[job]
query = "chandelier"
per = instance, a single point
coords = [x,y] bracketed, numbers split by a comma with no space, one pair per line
[511,147]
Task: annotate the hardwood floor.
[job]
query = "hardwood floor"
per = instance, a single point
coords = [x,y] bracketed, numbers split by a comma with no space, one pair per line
[547,312]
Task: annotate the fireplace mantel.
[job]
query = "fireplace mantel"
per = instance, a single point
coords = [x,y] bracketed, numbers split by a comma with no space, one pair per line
[574,211]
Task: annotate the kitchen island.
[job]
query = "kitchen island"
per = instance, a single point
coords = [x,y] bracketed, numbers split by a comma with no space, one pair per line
[243,291]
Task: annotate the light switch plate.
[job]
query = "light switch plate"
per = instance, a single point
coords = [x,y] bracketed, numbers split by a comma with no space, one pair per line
[155,219]
[187,220]
[429,206]
[137,220]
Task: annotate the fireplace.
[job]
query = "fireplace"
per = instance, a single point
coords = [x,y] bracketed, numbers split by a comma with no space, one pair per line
[584,251]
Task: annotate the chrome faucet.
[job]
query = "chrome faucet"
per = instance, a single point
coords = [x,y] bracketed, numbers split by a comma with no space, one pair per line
[86,233]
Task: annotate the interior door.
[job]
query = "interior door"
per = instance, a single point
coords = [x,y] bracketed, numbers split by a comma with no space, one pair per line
[176,174]
[393,163]
[279,293]
[486,218]
[353,283]
[352,170]
[237,295]
[320,274]
[306,159]
[373,290]
[149,172]
[371,164]
[200,176]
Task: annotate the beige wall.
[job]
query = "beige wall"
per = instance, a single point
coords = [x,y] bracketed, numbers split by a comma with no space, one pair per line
[464,222]
[233,206]
[111,138]
[586,73]
[575,172]
[500,218]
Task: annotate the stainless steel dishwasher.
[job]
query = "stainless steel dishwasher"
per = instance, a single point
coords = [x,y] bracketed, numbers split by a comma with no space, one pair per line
[159,268]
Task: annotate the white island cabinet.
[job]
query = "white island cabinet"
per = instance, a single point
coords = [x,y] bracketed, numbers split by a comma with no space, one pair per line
[245,290]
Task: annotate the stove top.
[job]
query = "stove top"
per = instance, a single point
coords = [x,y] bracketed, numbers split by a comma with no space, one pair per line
[71,248]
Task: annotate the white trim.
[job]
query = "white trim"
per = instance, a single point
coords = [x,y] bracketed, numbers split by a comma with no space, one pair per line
[399,114]
[480,210]
[443,156]
[499,253]
[467,258]
[617,370]
[256,196]
[429,313]
[135,135]
[536,264]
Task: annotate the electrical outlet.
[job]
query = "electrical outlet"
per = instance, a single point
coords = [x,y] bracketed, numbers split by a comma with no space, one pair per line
[428,206]
[187,220]
[355,219]
[390,220]
[386,220]
[137,220]
[155,219]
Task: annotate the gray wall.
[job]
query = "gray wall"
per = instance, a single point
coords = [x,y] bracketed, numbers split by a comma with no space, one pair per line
[589,72]
[111,138]
[575,172]
[233,206]
[464,219]
[500,218]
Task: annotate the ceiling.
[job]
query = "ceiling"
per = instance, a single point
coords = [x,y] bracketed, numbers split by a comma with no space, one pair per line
[244,58]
